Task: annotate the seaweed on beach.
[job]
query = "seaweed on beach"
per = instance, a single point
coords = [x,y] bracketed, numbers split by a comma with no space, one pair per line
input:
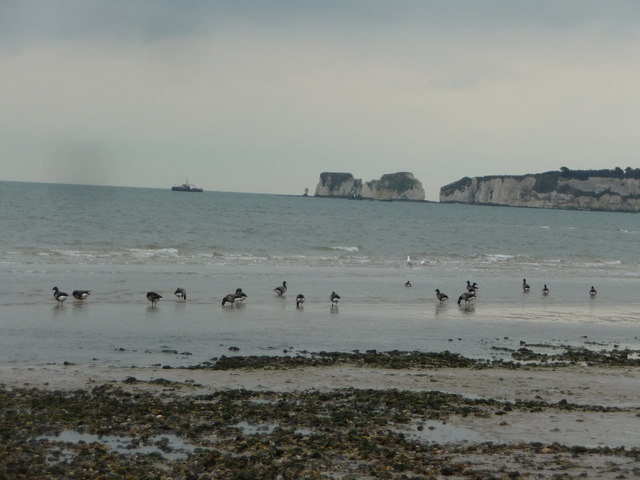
[522,357]
[374,359]
[575,355]
[242,434]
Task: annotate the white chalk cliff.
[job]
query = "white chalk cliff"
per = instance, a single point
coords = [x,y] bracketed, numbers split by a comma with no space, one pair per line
[614,190]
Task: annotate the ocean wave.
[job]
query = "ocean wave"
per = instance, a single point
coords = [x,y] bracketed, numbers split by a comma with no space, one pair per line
[73,254]
[510,262]
[151,252]
[346,249]
[603,263]
[343,256]
[412,262]
[497,257]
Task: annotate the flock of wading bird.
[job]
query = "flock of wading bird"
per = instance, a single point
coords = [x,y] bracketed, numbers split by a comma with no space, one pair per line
[472,290]
[239,296]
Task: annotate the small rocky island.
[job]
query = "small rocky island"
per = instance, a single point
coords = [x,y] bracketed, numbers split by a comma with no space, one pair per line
[391,186]
[609,190]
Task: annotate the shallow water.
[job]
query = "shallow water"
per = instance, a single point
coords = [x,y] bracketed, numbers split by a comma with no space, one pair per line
[117,326]
[587,428]
[168,446]
[122,242]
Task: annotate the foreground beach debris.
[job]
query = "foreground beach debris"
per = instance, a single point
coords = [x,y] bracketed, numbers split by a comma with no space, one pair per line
[175,429]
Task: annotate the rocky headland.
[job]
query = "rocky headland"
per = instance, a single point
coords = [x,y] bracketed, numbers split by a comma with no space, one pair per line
[609,190]
[391,186]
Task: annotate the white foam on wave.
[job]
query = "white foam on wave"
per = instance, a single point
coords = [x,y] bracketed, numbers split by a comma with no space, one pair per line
[497,257]
[423,261]
[142,253]
[88,256]
[602,264]
[328,256]
[346,249]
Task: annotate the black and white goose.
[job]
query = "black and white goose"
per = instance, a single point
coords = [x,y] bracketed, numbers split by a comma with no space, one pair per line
[466,297]
[59,296]
[181,293]
[525,286]
[240,296]
[407,283]
[80,295]
[281,289]
[299,300]
[545,290]
[335,298]
[153,297]
[472,287]
[593,291]
[230,298]
[441,296]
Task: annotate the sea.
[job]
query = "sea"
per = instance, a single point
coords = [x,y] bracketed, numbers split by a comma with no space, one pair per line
[123,242]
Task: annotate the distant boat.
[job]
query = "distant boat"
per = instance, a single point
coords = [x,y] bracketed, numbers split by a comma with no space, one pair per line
[186,187]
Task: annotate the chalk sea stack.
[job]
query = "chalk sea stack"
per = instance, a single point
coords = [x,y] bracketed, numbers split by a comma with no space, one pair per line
[391,186]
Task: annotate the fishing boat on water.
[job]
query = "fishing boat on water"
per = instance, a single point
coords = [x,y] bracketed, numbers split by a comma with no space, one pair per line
[186,187]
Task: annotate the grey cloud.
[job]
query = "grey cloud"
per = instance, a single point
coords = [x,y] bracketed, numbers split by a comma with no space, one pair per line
[24,21]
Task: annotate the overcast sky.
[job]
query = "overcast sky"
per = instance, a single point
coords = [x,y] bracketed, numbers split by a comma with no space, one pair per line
[263,96]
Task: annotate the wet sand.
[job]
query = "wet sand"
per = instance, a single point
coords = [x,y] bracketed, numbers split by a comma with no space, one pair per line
[606,386]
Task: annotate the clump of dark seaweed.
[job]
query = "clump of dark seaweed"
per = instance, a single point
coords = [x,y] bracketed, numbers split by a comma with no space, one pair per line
[576,355]
[524,356]
[393,359]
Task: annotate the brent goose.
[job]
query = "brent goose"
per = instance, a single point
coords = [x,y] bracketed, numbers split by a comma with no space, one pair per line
[80,295]
[466,296]
[231,298]
[441,295]
[281,289]
[59,296]
[335,298]
[299,300]
[472,287]
[407,283]
[593,292]
[181,293]
[153,297]
[239,296]
[525,286]
[545,290]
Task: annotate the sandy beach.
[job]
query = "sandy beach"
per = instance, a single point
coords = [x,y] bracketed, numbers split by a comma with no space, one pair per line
[530,422]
